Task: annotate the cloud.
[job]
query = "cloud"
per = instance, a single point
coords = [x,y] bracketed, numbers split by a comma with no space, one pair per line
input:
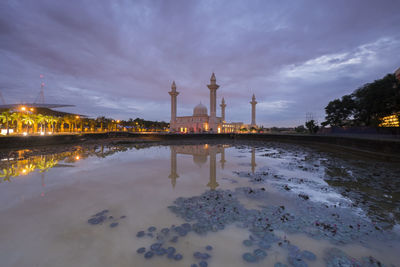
[121,56]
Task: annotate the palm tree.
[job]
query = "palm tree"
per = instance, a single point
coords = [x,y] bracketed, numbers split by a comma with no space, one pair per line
[48,121]
[28,120]
[17,117]
[52,120]
[5,118]
[41,119]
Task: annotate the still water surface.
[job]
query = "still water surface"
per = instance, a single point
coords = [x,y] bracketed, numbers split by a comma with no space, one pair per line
[274,199]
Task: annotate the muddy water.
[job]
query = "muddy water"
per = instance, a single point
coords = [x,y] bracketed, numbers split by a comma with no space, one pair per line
[273,201]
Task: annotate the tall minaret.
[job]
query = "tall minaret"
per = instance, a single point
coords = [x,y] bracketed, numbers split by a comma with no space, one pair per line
[223,106]
[212,184]
[213,86]
[253,111]
[173,95]
[173,175]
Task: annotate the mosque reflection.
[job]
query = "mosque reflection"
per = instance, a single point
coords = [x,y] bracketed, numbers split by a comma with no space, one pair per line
[23,162]
[200,155]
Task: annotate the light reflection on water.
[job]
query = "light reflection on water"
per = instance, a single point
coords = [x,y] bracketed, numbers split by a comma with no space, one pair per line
[46,200]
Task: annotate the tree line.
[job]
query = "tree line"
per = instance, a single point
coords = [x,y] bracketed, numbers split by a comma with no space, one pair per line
[34,123]
[367,105]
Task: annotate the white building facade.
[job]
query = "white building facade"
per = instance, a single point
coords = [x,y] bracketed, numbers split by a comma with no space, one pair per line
[200,121]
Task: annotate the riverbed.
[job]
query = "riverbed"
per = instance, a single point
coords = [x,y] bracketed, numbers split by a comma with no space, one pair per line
[198,204]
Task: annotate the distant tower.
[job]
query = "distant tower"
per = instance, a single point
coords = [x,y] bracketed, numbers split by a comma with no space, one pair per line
[40,98]
[213,86]
[223,106]
[173,93]
[253,111]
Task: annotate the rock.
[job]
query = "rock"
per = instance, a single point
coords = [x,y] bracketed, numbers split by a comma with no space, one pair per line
[209,248]
[193,265]
[155,246]
[178,257]
[114,224]
[174,239]
[249,257]
[141,250]
[97,220]
[203,264]
[165,231]
[247,243]
[148,254]
[160,251]
[122,217]
[171,250]
[260,254]
[140,234]
[308,255]
[151,229]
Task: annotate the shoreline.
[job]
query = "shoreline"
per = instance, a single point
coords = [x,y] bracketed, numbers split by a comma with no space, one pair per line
[386,149]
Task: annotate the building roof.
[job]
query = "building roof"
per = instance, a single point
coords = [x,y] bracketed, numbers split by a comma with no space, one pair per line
[34,105]
[200,110]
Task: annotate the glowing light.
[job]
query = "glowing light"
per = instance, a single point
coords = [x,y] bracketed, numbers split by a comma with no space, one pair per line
[77,117]
[50,132]
[77,158]
[24,171]
[219,129]
[32,109]
[390,121]
[24,133]
[41,133]
[118,121]
[23,108]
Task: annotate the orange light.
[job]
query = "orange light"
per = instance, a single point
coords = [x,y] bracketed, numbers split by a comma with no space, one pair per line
[118,121]
[77,117]
[32,109]
[77,158]
[23,108]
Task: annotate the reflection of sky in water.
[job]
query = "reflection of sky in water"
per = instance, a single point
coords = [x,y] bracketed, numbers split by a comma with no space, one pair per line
[142,181]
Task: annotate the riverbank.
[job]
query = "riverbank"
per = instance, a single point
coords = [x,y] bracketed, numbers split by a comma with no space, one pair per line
[382,148]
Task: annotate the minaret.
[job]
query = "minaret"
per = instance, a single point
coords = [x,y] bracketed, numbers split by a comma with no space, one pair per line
[222,157]
[223,106]
[213,86]
[173,175]
[173,95]
[212,184]
[253,111]
[253,160]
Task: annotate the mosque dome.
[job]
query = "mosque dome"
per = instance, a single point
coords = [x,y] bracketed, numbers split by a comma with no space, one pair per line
[200,110]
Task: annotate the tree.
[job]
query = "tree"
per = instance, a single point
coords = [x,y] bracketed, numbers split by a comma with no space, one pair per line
[339,112]
[17,117]
[28,119]
[41,119]
[312,126]
[5,118]
[367,105]
[300,129]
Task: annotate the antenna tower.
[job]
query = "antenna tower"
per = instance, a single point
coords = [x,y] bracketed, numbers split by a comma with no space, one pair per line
[40,98]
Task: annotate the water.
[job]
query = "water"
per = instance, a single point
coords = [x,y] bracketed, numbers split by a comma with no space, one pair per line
[303,198]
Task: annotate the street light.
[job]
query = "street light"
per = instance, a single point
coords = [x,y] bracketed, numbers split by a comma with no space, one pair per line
[23,108]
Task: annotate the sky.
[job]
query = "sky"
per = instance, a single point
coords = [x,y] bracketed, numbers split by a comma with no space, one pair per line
[118,58]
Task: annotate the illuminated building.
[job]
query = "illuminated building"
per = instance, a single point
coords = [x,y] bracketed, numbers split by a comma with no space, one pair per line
[200,121]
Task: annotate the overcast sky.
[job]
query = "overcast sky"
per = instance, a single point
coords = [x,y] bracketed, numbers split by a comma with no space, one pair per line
[118,58]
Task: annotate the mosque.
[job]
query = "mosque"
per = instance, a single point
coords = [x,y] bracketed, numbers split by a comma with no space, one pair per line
[200,121]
